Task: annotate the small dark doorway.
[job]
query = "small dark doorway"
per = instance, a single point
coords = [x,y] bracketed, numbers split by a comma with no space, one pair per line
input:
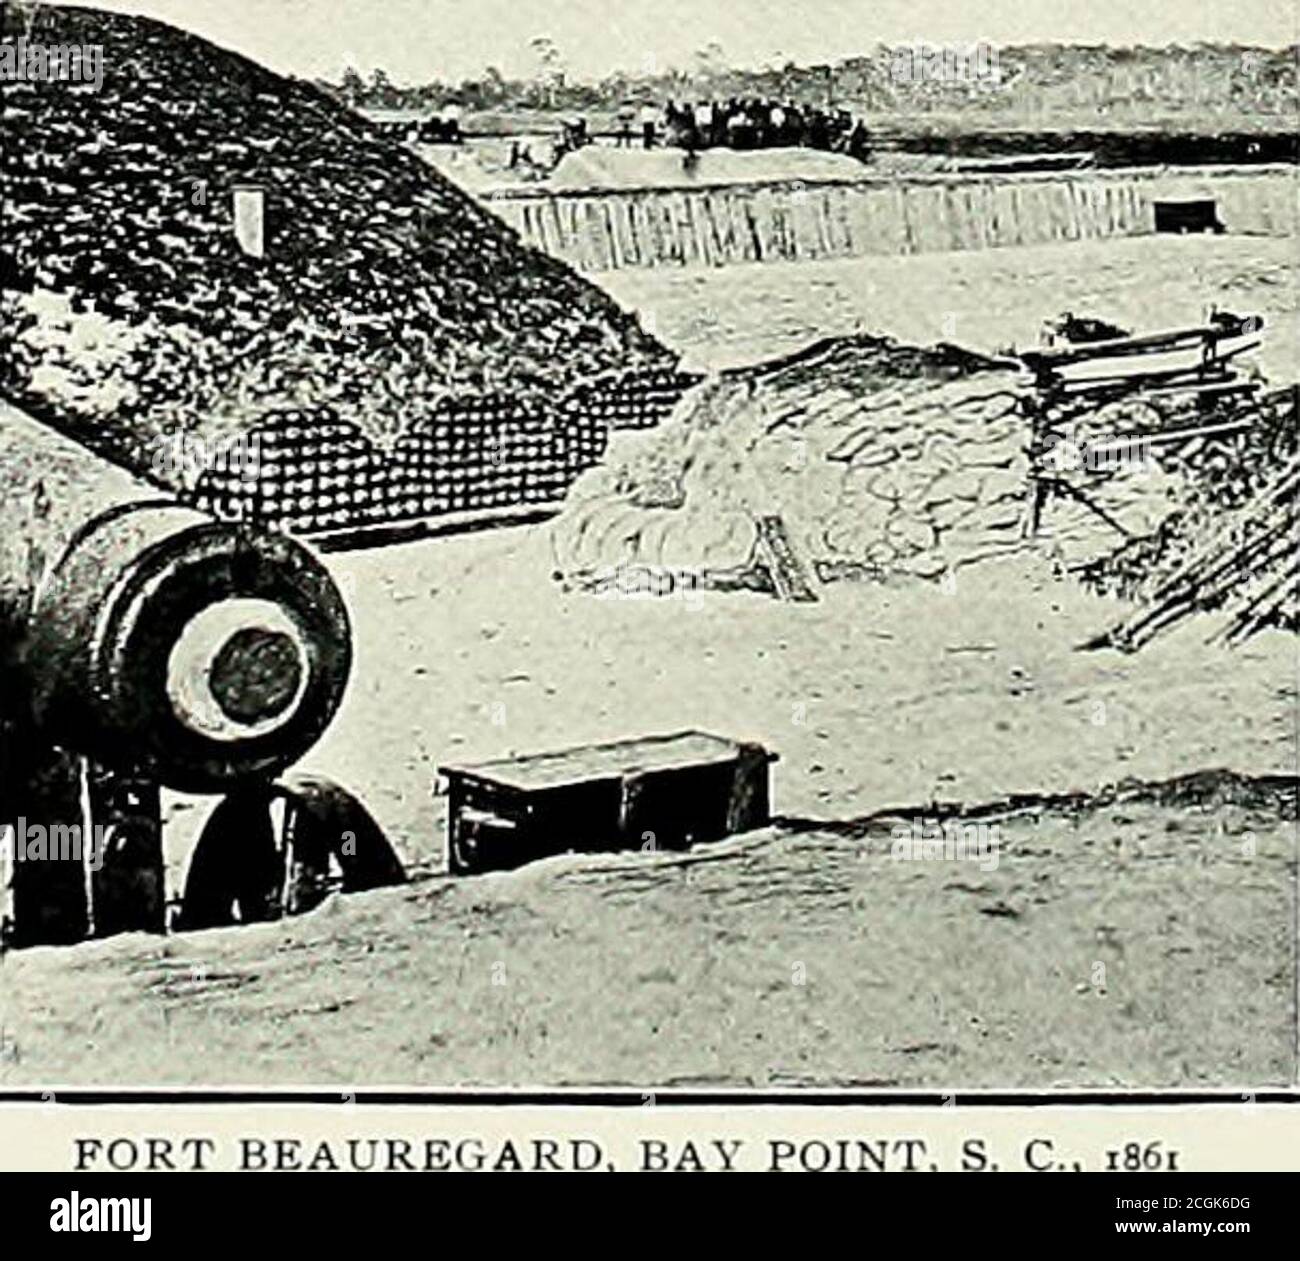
[1188,216]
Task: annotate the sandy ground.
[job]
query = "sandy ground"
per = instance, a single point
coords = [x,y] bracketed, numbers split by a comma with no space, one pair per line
[1129,947]
[985,300]
[1136,944]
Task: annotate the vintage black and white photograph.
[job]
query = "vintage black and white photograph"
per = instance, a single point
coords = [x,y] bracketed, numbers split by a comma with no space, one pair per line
[674,546]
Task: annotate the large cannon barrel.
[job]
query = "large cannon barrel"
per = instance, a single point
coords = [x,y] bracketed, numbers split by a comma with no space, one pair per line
[149,636]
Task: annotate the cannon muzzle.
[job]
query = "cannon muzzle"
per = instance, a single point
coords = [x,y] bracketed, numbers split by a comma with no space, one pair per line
[202,652]
[149,636]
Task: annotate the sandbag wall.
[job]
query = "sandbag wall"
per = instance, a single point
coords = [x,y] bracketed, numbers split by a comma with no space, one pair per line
[883,462]
[601,230]
[309,471]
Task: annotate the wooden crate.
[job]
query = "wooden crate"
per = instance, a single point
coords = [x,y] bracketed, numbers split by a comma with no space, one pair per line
[661,792]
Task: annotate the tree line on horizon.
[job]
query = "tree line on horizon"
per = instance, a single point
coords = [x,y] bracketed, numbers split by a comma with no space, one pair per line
[1031,81]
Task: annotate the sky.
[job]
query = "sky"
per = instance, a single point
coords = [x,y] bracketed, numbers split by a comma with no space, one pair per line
[420,40]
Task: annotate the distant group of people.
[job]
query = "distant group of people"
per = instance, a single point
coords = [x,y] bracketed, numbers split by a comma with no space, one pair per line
[442,126]
[647,120]
[744,124]
[733,124]
[573,135]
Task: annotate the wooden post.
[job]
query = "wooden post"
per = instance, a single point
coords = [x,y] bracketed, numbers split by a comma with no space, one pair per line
[40,787]
[249,214]
[124,852]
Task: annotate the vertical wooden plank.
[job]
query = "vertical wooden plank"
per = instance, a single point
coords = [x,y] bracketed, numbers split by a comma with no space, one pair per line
[739,225]
[531,226]
[720,225]
[593,243]
[558,247]
[801,241]
[907,199]
[975,215]
[743,208]
[813,204]
[839,208]
[608,207]
[573,227]
[1096,210]
[635,231]
[1004,215]
[781,225]
[702,229]
[618,229]
[694,246]
[940,220]
[664,220]
[676,207]
[1083,215]
[653,236]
